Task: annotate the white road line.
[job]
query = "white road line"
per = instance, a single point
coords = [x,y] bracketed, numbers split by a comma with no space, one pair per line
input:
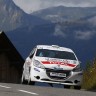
[4,86]
[24,91]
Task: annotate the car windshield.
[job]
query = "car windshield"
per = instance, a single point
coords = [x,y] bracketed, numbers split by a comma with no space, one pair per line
[55,54]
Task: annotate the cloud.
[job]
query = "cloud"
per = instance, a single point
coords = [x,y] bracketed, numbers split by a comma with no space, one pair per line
[34,5]
[28,5]
[87,35]
[59,32]
[92,21]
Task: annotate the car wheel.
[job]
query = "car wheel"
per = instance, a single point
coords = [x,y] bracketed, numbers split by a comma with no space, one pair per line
[23,81]
[67,86]
[50,84]
[31,82]
[77,87]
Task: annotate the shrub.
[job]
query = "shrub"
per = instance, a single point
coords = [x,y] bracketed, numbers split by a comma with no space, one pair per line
[89,76]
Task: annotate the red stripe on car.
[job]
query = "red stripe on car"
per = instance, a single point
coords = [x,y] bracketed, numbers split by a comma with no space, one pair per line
[60,63]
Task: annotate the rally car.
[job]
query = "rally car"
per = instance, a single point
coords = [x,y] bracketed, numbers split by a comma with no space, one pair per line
[52,64]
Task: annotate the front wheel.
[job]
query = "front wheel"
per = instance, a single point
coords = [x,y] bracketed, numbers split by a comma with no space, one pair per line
[23,81]
[31,83]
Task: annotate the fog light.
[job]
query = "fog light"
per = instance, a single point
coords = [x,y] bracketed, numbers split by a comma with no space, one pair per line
[76,81]
[37,77]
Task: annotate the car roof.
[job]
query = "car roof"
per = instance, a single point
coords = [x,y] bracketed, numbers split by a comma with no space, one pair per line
[54,47]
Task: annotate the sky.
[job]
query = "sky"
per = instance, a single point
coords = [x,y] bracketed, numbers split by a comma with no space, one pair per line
[30,6]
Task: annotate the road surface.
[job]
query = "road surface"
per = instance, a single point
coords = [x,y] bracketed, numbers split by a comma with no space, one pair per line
[8,89]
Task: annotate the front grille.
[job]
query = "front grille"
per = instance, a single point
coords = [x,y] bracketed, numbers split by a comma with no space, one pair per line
[67,72]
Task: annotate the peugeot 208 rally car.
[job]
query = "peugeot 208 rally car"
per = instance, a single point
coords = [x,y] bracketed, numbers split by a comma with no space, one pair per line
[52,64]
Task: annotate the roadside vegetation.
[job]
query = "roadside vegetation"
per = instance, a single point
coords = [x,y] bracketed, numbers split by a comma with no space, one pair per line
[89,76]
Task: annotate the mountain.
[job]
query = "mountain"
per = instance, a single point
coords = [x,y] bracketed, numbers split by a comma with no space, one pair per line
[81,37]
[73,29]
[62,14]
[12,17]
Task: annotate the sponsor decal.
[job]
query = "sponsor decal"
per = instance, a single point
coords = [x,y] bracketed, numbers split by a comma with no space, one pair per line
[59,63]
[36,69]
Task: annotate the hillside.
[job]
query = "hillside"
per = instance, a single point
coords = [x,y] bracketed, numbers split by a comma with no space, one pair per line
[12,17]
[61,13]
[75,28]
[73,35]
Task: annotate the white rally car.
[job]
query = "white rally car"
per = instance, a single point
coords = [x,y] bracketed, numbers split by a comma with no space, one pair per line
[52,64]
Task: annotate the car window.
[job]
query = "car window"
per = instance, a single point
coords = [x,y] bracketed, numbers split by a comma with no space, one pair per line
[32,53]
[55,54]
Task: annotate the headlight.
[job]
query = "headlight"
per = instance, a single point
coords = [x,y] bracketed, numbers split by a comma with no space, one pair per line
[38,64]
[77,68]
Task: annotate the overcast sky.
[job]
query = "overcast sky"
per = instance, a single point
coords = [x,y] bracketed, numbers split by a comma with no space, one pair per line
[34,5]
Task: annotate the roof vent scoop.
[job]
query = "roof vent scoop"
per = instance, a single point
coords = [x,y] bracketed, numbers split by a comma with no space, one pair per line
[56,46]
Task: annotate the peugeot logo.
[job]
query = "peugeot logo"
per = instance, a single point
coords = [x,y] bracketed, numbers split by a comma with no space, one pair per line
[58,66]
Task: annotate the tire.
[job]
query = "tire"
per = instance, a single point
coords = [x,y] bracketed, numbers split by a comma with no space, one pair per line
[67,86]
[31,83]
[50,84]
[23,81]
[77,87]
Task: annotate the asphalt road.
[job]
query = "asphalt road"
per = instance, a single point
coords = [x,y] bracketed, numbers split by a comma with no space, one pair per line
[7,89]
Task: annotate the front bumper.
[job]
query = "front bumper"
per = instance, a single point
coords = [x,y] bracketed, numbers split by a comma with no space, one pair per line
[43,75]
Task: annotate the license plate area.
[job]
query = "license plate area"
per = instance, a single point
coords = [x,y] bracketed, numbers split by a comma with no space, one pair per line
[54,74]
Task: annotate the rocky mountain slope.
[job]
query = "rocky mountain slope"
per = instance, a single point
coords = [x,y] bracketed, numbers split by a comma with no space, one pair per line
[12,17]
[61,13]
[75,28]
